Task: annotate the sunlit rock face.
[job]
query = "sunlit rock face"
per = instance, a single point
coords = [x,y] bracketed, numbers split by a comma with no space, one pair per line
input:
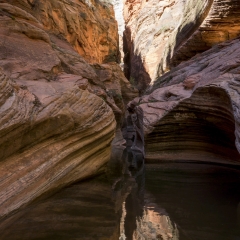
[29,51]
[161,34]
[192,112]
[221,24]
[118,10]
[155,224]
[88,25]
[58,112]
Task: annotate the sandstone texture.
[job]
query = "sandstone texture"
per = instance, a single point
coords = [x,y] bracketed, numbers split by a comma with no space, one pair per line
[89,26]
[59,103]
[161,34]
[52,134]
[192,112]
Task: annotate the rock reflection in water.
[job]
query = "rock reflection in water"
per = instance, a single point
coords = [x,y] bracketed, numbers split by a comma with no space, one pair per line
[140,218]
[109,207]
[155,225]
[202,199]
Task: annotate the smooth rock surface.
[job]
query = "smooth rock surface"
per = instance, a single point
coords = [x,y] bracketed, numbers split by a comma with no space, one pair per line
[162,34]
[58,112]
[52,134]
[192,112]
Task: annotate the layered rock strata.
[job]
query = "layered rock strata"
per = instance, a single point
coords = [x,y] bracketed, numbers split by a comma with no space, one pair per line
[192,112]
[80,211]
[51,135]
[221,24]
[89,26]
[58,112]
[161,34]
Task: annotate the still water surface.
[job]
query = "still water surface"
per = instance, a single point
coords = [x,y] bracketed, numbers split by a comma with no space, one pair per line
[170,201]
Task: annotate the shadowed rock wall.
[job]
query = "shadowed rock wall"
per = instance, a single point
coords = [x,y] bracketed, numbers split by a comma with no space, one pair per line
[196,129]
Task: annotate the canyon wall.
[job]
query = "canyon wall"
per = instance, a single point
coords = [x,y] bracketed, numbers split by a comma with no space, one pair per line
[52,134]
[161,34]
[192,112]
[89,26]
[62,94]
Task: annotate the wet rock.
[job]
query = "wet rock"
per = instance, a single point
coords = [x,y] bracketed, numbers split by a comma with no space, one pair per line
[133,127]
[82,211]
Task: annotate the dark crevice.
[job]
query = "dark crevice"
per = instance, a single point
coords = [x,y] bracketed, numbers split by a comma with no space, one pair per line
[134,68]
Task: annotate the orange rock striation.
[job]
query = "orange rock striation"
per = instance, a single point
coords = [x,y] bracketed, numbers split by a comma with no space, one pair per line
[89,26]
[221,24]
[161,34]
[192,112]
[58,112]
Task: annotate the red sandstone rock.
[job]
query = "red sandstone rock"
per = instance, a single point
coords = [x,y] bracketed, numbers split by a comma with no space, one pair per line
[219,25]
[161,34]
[46,138]
[192,112]
[88,26]
[56,123]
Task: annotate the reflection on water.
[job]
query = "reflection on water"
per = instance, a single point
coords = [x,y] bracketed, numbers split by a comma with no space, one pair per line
[155,224]
[129,187]
[82,211]
[140,219]
[203,200]
[165,202]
